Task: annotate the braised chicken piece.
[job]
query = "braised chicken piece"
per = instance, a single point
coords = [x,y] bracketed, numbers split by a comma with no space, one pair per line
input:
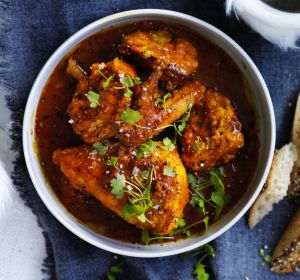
[214,133]
[154,110]
[99,99]
[146,187]
[160,50]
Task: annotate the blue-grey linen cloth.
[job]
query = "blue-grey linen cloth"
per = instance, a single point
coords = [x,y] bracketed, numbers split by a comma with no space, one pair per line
[30,33]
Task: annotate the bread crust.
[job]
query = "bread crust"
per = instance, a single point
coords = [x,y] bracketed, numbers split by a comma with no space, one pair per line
[286,256]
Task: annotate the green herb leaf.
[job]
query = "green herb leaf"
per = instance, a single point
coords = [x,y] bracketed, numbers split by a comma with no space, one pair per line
[110,276]
[116,269]
[145,237]
[192,180]
[130,116]
[126,81]
[128,211]
[218,198]
[205,221]
[168,145]
[137,81]
[93,97]
[142,218]
[106,83]
[181,223]
[112,161]
[267,258]
[163,100]
[146,148]
[128,93]
[169,171]
[101,147]
[118,185]
[196,146]
[181,127]
[145,174]
[200,271]
[217,181]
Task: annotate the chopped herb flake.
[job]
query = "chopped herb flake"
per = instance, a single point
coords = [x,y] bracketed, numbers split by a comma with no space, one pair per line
[146,148]
[118,185]
[93,97]
[168,145]
[169,171]
[130,116]
[126,81]
[112,161]
[106,83]
[101,147]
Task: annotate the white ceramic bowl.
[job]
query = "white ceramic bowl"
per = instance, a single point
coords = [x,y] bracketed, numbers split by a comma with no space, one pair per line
[262,104]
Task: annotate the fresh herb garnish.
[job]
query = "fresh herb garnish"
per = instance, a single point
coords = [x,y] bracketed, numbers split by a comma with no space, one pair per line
[146,148]
[218,199]
[147,238]
[168,144]
[139,197]
[169,171]
[112,161]
[162,100]
[93,97]
[101,147]
[106,83]
[196,146]
[130,116]
[127,83]
[200,272]
[115,269]
[145,174]
[118,185]
[266,258]
[183,228]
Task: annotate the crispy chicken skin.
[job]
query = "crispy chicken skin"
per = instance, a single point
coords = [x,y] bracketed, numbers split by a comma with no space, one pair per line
[214,133]
[156,117]
[96,124]
[160,50]
[89,172]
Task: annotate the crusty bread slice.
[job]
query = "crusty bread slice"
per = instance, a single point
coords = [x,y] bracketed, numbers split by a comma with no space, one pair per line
[294,188]
[286,256]
[277,183]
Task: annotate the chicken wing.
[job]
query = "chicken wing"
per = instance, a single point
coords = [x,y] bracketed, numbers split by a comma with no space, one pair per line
[177,56]
[155,116]
[99,99]
[147,187]
[214,133]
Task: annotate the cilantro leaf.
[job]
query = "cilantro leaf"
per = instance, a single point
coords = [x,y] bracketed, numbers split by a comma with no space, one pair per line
[101,147]
[130,116]
[137,81]
[200,271]
[196,146]
[181,223]
[126,81]
[216,181]
[181,127]
[118,185]
[106,83]
[145,174]
[93,97]
[128,93]
[145,237]
[110,276]
[168,145]
[146,148]
[112,161]
[163,100]
[169,171]
[142,218]
[192,180]
[220,200]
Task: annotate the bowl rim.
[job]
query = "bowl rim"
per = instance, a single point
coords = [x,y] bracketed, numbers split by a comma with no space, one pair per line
[29,150]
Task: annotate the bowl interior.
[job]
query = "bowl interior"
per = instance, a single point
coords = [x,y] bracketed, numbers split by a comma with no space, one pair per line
[258,94]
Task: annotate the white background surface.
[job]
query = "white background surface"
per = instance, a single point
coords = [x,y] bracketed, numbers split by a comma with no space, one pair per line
[22,245]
